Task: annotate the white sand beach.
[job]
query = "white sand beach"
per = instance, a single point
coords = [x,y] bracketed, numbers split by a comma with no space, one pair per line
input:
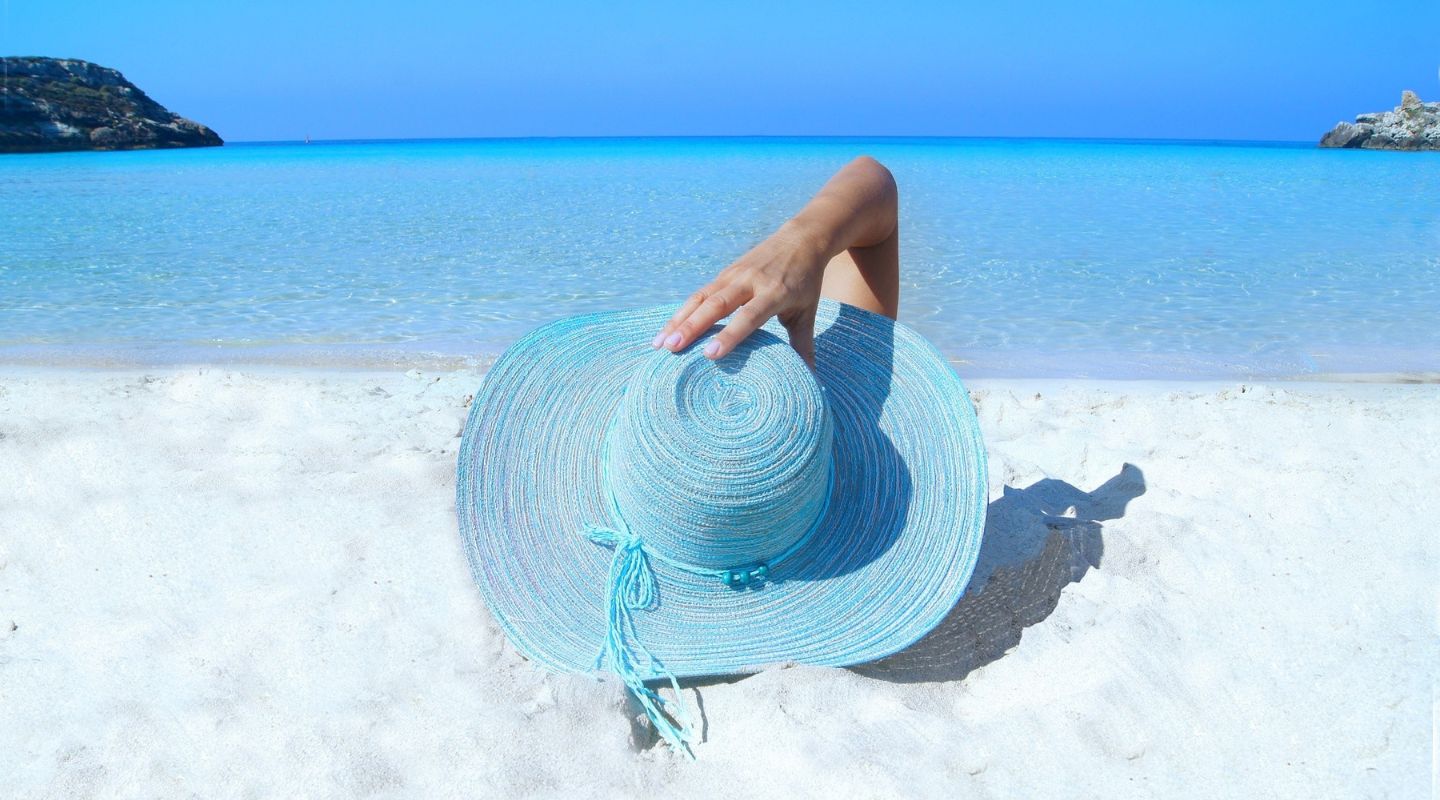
[247,582]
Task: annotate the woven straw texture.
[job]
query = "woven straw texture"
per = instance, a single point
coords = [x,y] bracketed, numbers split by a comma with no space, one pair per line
[871,483]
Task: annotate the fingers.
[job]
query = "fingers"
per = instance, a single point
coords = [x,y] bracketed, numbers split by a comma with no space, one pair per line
[681,314]
[744,323]
[750,311]
[703,309]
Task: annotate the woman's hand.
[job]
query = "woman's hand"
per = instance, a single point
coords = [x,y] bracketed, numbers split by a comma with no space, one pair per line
[781,277]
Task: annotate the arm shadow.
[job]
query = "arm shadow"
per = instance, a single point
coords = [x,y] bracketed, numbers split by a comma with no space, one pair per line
[1038,540]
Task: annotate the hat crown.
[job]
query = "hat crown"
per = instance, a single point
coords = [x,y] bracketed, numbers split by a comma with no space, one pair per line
[718,464]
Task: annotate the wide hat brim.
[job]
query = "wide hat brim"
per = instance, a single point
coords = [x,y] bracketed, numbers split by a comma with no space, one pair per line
[892,554]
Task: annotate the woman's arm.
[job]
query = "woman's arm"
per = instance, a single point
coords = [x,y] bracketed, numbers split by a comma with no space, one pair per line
[852,220]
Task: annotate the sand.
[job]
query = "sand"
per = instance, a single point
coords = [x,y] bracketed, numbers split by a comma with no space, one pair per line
[246,582]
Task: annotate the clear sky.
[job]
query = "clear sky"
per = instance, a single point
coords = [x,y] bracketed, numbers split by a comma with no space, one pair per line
[1227,69]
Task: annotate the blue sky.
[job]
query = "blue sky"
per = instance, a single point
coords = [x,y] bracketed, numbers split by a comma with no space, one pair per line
[265,70]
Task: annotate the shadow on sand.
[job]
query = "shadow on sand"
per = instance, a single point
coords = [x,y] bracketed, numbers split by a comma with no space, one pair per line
[1037,541]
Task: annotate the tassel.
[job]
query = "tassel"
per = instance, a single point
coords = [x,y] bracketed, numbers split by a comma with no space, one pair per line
[632,588]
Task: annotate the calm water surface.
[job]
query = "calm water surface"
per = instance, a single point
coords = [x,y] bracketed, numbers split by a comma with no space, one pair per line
[1020,257]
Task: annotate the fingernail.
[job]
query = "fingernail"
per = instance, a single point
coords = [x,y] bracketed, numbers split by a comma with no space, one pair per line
[658,340]
[672,340]
[712,349]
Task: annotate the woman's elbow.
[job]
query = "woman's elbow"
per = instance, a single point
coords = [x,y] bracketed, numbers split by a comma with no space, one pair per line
[876,175]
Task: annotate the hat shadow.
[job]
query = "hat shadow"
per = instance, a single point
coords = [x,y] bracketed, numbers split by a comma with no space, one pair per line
[883,464]
[1038,540]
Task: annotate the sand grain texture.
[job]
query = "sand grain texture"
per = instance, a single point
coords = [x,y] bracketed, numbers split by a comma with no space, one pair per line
[247,583]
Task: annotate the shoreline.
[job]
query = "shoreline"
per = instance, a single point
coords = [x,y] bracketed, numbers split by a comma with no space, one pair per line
[453,372]
[1050,367]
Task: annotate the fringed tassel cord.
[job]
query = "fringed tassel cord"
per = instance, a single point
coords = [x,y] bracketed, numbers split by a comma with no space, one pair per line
[632,588]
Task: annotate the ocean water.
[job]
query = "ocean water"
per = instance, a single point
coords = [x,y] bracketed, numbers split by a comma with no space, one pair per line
[1020,257]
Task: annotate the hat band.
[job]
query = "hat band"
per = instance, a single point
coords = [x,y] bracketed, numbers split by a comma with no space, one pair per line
[632,587]
[755,572]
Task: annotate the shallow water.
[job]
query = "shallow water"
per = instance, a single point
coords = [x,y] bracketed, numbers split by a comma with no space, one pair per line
[1021,257]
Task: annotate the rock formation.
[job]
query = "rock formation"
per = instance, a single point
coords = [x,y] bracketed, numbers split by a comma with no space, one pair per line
[67,104]
[1413,125]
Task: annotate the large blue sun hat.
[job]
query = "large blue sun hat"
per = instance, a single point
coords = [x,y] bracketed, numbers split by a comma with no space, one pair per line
[662,515]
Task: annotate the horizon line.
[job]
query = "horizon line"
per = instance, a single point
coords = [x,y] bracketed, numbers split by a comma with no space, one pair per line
[864,137]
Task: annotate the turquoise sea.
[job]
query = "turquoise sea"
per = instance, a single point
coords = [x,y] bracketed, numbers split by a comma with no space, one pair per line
[1021,257]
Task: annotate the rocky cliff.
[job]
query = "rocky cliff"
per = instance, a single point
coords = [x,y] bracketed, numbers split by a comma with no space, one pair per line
[66,104]
[1413,125]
